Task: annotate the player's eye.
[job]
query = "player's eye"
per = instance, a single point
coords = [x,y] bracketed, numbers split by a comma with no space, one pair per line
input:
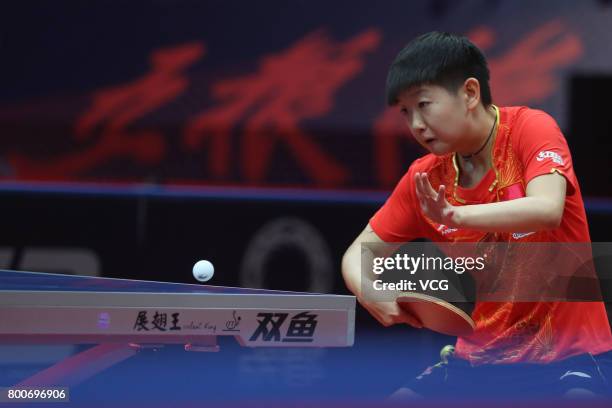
[407,113]
[423,104]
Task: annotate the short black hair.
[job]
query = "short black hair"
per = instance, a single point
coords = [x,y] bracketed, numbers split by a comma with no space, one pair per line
[440,59]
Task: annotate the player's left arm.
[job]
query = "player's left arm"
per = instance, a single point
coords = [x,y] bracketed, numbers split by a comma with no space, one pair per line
[541,209]
[541,148]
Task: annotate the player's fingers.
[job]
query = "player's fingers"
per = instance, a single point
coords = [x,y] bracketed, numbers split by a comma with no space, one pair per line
[421,195]
[400,315]
[412,321]
[424,205]
[382,318]
[385,323]
[441,195]
[425,191]
[417,187]
[428,187]
[418,184]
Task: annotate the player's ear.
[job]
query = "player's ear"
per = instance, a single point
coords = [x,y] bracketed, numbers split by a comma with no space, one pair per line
[471,93]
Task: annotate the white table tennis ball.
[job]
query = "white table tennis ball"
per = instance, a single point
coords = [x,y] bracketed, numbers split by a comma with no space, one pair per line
[203,271]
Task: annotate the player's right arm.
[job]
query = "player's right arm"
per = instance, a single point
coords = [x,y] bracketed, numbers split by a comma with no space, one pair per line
[387,313]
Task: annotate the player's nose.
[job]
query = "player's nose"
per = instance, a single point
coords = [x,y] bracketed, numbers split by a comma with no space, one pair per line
[417,125]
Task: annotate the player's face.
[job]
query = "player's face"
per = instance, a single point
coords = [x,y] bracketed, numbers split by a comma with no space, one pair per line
[436,117]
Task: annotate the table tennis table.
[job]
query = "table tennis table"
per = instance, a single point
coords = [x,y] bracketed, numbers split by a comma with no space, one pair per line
[121,317]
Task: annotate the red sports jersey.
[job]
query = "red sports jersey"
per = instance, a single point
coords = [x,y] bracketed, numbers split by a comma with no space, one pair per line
[528,143]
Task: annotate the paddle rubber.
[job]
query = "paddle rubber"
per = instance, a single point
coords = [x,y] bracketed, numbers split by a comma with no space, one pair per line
[437,314]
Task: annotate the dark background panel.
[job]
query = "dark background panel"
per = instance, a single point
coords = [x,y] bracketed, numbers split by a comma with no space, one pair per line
[590,137]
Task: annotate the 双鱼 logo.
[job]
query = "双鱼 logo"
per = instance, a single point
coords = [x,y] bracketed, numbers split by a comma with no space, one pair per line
[301,327]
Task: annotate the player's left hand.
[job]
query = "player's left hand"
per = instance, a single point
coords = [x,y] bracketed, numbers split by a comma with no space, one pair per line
[434,203]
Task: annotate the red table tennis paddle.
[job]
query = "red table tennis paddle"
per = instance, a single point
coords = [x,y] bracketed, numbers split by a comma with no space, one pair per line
[437,314]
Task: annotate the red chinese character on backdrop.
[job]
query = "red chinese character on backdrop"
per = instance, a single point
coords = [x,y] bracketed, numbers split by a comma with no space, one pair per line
[526,73]
[523,75]
[296,84]
[113,110]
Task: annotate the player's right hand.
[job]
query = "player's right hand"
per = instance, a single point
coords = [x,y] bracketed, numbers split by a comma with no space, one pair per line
[389,313]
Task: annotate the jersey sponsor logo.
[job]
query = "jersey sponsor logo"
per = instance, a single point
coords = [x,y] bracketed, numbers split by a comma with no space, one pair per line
[555,157]
[519,235]
[444,230]
[301,327]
